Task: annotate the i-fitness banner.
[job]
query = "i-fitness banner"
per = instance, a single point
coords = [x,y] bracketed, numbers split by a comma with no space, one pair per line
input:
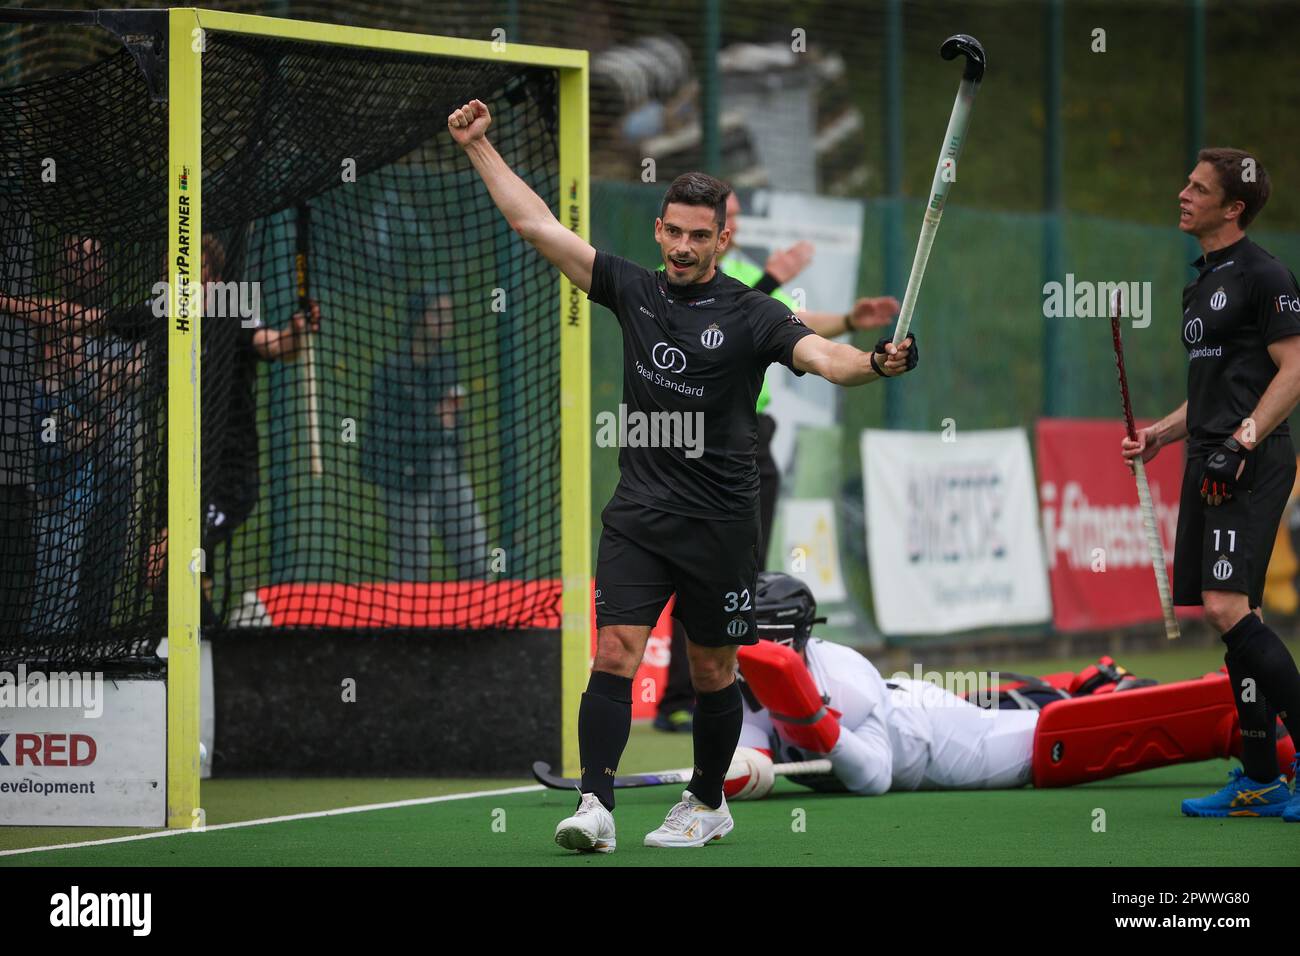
[952,530]
[1097,555]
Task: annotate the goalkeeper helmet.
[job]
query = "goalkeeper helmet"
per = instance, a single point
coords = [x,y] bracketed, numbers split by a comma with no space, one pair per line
[785,609]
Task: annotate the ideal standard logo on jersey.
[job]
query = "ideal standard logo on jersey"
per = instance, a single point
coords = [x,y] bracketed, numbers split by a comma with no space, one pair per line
[1193,331]
[669,358]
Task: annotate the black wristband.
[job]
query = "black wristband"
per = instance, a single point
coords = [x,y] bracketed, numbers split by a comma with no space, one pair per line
[876,368]
[768,284]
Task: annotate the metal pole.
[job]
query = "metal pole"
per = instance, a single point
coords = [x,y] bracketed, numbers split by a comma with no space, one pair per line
[894,267]
[711,118]
[1194,98]
[1053,206]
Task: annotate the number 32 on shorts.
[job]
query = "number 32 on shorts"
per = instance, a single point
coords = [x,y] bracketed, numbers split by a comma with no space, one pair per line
[737,601]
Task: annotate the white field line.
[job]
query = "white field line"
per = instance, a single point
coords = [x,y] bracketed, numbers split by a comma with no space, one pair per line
[338,811]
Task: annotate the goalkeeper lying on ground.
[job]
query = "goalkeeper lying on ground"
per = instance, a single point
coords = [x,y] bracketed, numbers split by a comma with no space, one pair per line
[807,698]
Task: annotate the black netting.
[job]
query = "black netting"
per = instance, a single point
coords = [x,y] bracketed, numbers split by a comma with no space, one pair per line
[401,471]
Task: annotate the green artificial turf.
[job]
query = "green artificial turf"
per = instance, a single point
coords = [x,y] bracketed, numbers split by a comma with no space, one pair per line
[1132,820]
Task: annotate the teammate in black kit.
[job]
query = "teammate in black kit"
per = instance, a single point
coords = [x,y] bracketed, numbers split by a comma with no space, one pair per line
[683,519]
[1241,329]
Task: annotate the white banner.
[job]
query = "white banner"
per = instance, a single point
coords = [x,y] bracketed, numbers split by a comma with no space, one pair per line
[811,551]
[87,753]
[952,530]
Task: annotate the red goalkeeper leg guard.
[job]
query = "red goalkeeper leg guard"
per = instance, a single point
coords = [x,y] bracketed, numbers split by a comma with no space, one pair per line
[780,681]
[1100,736]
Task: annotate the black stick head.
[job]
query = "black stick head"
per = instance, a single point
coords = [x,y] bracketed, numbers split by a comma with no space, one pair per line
[965,45]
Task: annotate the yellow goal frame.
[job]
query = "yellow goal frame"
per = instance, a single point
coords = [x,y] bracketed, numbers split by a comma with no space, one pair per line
[187,28]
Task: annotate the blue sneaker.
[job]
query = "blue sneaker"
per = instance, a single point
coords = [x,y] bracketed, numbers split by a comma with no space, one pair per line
[1242,797]
[1292,812]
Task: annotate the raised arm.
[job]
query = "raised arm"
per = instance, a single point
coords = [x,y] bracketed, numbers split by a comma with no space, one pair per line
[842,364]
[44,311]
[527,214]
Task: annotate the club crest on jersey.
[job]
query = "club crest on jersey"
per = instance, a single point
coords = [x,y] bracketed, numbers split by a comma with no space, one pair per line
[737,627]
[1219,299]
[711,337]
[1222,569]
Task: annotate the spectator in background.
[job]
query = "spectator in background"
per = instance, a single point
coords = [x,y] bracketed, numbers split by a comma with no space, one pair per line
[64,463]
[62,437]
[119,359]
[412,450]
[18,432]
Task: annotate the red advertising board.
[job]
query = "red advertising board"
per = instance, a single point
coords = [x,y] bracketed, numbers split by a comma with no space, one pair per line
[1097,558]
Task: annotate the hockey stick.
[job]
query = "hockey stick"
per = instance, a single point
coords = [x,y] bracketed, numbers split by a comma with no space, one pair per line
[1154,545]
[946,172]
[303,237]
[542,772]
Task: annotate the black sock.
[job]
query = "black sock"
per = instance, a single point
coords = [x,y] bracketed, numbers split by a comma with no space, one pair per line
[1258,726]
[718,718]
[1255,651]
[604,721]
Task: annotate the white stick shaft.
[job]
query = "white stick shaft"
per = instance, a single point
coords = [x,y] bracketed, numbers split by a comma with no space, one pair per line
[313,416]
[1156,548]
[945,173]
[789,769]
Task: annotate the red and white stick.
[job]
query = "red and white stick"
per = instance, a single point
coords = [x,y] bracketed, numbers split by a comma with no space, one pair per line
[1154,545]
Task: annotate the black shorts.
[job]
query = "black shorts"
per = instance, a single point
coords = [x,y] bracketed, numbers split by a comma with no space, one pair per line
[647,555]
[1227,547]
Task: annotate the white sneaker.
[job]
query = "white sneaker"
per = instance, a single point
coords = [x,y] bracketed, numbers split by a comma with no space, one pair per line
[591,828]
[692,823]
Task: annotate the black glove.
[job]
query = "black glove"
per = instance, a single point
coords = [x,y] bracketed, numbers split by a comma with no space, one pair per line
[1220,472]
[913,355]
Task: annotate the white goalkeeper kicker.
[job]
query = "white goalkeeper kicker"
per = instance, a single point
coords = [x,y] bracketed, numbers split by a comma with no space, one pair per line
[946,171]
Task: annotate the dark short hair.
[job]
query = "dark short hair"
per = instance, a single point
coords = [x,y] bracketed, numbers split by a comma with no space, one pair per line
[699,189]
[1231,165]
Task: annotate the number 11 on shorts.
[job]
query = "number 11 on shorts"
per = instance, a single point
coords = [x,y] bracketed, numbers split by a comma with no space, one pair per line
[1232,539]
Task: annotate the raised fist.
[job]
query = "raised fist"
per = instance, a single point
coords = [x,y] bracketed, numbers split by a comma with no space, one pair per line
[469,122]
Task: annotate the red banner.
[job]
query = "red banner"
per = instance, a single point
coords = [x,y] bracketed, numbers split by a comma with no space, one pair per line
[1097,557]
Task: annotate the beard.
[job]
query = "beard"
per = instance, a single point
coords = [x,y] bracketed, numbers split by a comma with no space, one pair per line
[693,274]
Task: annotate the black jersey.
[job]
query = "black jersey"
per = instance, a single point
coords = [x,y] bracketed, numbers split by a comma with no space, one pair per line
[687,349]
[1242,301]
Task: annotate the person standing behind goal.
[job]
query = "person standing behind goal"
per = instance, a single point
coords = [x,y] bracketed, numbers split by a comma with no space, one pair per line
[1241,330]
[695,342]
